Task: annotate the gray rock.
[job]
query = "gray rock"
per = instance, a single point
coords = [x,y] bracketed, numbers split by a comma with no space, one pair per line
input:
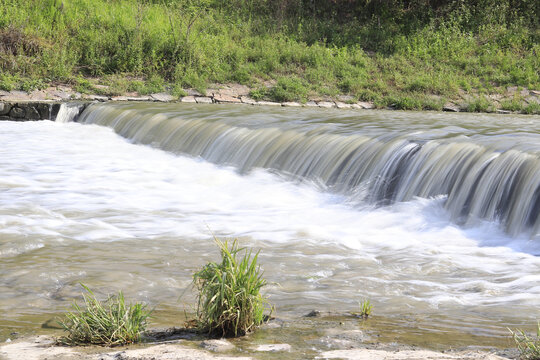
[4,117]
[119,98]
[17,113]
[162,97]
[450,107]
[365,105]
[534,93]
[268,103]
[223,98]
[44,111]
[188,99]
[342,105]
[356,106]
[193,92]
[203,100]
[30,112]
[247,100]
[96,97]
[61,94]
[5,108]
[18,95]
[311,104]
[291,104]
[139,98]
[326,104]
[501,111]
[217,345]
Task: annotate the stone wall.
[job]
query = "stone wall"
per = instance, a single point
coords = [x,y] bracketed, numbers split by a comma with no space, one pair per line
[28,111]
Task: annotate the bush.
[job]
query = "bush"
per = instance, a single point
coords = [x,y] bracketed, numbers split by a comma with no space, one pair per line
[289,89]
[529,348]
[229,299]
[106,323]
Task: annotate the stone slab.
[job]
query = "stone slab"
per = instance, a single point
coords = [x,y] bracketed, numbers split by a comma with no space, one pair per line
[325,104]
[203,100]
[188,99]
[291,104]
[162,97]
[222,98]
[268,103]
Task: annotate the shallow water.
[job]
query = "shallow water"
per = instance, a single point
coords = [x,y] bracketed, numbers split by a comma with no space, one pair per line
[79,203]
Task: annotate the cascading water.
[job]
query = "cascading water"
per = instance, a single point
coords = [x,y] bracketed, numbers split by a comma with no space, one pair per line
[493,178]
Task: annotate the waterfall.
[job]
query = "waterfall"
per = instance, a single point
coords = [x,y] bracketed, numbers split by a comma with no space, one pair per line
[488,179]
[69,112]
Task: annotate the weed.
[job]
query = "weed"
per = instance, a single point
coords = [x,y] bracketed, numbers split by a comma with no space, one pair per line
[528,347]
[229,298]
[109,323]
[364,310]
[289,89]
[532,108]
[480,104]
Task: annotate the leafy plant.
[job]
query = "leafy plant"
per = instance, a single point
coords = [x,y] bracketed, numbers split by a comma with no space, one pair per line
[365,309]
[529,348]
[229,298]
[109,323]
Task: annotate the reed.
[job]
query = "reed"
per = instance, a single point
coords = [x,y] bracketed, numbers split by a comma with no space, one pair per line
[108,323]
[229,298]
[365,309]
[529,347]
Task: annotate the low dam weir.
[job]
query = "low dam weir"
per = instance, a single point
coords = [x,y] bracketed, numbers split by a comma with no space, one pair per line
[484,174]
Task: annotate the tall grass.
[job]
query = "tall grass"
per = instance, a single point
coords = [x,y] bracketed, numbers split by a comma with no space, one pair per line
[229,298]
[109,323]
[397,53]
[529,347]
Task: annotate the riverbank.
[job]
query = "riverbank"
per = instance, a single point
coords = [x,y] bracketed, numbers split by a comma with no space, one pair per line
[221,94]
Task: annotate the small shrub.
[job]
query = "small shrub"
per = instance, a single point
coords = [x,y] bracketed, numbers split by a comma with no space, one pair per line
[229,298]
[108,323]
[289,89]
[480,104]
[258,94]
[365,309]
[532,108]
[529,348]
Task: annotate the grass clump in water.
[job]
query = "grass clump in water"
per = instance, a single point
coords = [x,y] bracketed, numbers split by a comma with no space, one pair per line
[108,323]
[529,347]
[229,298]
[365,309]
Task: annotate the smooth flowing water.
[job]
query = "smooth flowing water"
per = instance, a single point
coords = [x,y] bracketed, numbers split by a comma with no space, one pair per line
[433,217]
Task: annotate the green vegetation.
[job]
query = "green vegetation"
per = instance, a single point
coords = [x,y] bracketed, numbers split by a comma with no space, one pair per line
[413,54]
[528,347]
[365,309]
[108,323]
[229,299]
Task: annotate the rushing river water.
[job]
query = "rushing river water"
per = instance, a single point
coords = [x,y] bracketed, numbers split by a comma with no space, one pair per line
[80,203]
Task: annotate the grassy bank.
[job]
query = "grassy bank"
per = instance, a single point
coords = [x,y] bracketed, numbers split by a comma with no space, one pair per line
[411,55]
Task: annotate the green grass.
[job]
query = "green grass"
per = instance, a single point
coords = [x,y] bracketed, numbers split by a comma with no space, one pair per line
[108,323]
[364,310]
[229,298]
[378,51]
[529,347]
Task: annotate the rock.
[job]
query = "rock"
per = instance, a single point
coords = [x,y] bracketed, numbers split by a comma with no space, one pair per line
[60,94]
[342,105]
[216,345]
[30,112]
[247,100]
[203,100]
[4,93]
[193,92]
[44,110]
[139,98]
[4,117]
[17,113]
[534,92]
[370,354]
[119,98]
[268,103]
[39,95]
[501,111]
[451,107]
[356,106]
[291,104]
[365,105]
[313,313]
[18,95]
[221,98]
[162,97]
[311,104]
[188,99]
[95,97]
[326,104]
[5,108]
[273,347]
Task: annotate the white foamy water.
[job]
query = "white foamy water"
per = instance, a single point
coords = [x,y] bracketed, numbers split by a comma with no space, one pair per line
[80,204]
